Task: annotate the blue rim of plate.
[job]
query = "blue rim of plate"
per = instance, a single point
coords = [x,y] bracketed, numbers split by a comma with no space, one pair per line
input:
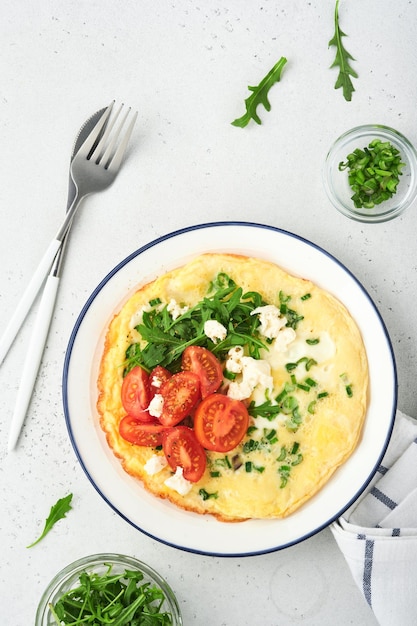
[140,251]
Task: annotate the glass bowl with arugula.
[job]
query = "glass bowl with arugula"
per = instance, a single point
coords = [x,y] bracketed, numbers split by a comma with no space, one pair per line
[108,589]
[370,173]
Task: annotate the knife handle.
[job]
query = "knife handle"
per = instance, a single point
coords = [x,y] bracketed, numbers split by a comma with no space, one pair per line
[28,297]
[33,357]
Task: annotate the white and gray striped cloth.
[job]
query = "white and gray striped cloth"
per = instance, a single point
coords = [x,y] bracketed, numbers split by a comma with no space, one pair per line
[378,534]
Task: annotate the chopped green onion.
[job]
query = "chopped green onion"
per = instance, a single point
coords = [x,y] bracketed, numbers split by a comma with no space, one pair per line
[289,404]
[284,472]
[290,366]
[283,297]
[322,394]
[310,364]
[297,460]
[251,445]
[349,390]
[229,375]
[312,407]
[215,474]
[272,436]
[373,173]
[205,495]
[310,382]
[296,415]
[224,462]
[313,342]
[283,454]
[306,296]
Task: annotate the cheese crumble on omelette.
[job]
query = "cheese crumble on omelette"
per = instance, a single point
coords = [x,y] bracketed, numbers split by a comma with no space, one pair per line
[305,390]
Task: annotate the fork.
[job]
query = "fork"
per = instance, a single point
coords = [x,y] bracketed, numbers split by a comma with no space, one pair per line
[90,172]
[93,169]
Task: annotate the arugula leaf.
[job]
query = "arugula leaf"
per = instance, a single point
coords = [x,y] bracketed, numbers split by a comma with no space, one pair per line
[166,338]
[266,410]
[112,598]
[342,59]
[57,512]
[260,95]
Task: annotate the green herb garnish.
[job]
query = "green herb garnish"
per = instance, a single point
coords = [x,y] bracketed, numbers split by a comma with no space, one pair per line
[58,511]
[166,338]
[373,173]
[266,409]
[289,457]
[205,495]
[342,59]
[260,95]
[113,599]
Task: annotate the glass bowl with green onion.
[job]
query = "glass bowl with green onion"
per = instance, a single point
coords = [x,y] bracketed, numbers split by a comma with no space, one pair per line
[370,173]
[113,588]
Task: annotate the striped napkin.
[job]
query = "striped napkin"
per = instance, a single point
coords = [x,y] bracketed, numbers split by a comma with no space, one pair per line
[378,534]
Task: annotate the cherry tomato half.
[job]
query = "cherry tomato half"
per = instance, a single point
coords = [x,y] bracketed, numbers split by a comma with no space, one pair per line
[180,393]
[182,449]
[207,367]
[135,393]
[157,378]
[141,434]
[220,422]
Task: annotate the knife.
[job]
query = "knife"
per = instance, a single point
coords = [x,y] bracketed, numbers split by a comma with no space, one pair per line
[46,306]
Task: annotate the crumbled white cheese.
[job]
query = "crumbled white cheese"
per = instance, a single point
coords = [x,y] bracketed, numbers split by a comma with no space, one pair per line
[176,309]
[234,360]
[156,381]
[156,405]
[214,330]
[284,337]
[322,351]
[271,320]
[137,317]
[155,464]
[177,482]
[254,373]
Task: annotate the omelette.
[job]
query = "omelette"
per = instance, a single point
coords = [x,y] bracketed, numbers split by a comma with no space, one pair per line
[279,408]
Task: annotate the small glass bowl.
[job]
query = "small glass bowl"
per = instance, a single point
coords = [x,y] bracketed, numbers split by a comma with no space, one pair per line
[68,578]
[336,181]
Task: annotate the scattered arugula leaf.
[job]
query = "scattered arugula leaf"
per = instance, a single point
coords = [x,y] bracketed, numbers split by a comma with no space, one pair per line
[260,95]
[342,59]
[112,598]
[58,511]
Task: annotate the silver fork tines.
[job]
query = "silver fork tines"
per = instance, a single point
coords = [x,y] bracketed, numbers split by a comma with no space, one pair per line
[98,160]
[111,157]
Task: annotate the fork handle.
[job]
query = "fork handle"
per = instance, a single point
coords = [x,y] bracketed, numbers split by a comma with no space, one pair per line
[28,297]
[33,357]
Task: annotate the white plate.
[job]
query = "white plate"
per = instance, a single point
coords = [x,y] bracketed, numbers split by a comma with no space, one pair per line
[159,518]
